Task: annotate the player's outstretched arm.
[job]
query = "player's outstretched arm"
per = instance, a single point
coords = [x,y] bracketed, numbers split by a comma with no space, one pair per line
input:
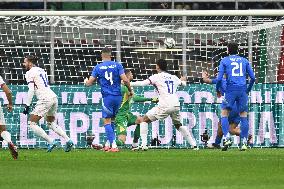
[206,78]
[90,81]
[137,98]
[8,94]
[140,83]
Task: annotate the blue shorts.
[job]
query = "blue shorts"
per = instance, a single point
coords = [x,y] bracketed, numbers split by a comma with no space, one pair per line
[238,97]
[110,105]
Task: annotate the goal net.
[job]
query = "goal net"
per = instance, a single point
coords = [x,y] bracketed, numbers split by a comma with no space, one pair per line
[69,47]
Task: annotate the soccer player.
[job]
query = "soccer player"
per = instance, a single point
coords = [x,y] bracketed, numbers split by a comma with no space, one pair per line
[3,132]
[233,117]
[109,74]
[125,118]
[236,69]
[168,105]
[46,105]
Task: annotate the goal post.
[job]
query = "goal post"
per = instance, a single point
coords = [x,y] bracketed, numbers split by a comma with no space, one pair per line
[69,44]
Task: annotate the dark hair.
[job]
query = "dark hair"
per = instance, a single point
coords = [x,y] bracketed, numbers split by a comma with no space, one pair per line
[106,50]
[126,71]
[32,58]
[233,48]
[162,64]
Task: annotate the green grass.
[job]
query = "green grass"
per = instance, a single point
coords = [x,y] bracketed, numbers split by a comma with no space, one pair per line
[163,169]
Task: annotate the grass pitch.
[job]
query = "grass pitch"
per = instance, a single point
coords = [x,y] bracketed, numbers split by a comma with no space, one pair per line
[163,169]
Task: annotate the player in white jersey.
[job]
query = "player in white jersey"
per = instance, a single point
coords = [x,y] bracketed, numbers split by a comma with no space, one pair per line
[3,132]
[46,106]
[168,105]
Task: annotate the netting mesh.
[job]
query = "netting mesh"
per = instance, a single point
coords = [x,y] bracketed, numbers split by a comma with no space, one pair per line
[78,40]
[69,47]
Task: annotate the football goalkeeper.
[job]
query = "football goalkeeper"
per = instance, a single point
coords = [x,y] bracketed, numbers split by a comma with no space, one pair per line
[125,118]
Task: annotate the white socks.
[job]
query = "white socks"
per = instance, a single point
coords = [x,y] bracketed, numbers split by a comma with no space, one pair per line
[113,145]
[6,136]
[144,133]
[107,144]
[40,132]
[185,133]
[58,130]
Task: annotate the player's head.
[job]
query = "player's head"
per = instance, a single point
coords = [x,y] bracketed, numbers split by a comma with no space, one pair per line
[128,74]
[233,48]
[29,61]
[161,65]
[106,53]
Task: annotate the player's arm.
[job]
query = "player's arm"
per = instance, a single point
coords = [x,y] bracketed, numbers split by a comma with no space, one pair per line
[252,77]
[89,81]
[31,92]
[220,74]
[8,94]
[206,79]
[137,98]
[141,83]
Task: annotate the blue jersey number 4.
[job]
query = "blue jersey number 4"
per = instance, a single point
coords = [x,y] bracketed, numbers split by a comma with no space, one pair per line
[170,85]
[108,77]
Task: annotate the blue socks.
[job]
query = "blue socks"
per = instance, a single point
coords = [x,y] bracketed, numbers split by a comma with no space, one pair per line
[109,133]
[225,126]
[244,128]
[218,140]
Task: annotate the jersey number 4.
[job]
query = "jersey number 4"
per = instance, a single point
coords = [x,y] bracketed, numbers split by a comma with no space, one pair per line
[108,77]
[237,69]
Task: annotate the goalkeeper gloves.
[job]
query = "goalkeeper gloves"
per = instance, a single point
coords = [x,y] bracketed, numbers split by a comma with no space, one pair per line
[155,100]
[26,110]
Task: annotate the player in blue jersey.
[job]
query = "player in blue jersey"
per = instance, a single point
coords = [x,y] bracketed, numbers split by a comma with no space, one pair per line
[234,117]
[236,69]
[109,75]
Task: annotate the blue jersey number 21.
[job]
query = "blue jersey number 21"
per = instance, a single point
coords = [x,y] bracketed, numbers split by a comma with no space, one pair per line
[170,85]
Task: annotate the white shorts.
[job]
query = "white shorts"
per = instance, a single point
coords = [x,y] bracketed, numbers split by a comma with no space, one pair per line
[46,107]
[2,119]
[159,113]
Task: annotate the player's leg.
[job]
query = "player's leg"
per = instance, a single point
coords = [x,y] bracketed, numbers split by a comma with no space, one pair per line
[218,138]
[107,115]
[50,119]
[234,129]
[227,105]
[154,114]
[242,104]
[121,125]
[175,115]
[39,111]
[135,142]
[111,106]
[7,137]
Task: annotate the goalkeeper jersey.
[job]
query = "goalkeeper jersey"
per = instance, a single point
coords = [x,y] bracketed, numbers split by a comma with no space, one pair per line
[127,101]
